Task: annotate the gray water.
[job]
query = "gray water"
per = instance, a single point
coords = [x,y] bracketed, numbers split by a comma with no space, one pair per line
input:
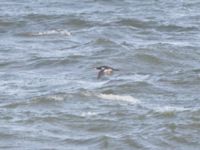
[50,97]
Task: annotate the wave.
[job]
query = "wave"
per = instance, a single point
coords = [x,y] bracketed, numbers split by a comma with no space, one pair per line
[170,109]
[88,114]
[90,84]
[114,97]
[175,28]
[135,77]
[149,58]
[56,97]
[133,22]
[48,32]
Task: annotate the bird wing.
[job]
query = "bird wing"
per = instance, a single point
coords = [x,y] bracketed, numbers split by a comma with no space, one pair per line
[100,74]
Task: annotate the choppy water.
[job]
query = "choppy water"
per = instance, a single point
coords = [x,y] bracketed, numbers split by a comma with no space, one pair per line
[50,97]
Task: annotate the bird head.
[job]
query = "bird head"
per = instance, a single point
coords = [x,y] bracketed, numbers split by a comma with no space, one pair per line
[100,68]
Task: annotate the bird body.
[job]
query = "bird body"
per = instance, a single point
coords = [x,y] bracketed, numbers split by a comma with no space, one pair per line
[105,70]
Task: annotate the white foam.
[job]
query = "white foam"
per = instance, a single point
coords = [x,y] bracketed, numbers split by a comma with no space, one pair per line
[56,97]
[88,114]
[170,109]
[53,32]
[126,98]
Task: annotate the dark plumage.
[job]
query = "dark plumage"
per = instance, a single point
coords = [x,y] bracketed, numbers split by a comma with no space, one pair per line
[105,70]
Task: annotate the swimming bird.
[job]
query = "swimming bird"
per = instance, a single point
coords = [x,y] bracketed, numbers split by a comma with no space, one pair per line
[105,70]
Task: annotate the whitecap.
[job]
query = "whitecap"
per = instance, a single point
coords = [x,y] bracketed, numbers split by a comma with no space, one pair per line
[56,97]
[52,32]
[170,109]
[114,97]
[88,114]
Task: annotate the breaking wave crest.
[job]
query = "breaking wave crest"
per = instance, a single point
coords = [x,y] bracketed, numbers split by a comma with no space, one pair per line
[48,32]
[114,97]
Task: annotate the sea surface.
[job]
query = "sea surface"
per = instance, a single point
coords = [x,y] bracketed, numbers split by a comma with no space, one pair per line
[51,99]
